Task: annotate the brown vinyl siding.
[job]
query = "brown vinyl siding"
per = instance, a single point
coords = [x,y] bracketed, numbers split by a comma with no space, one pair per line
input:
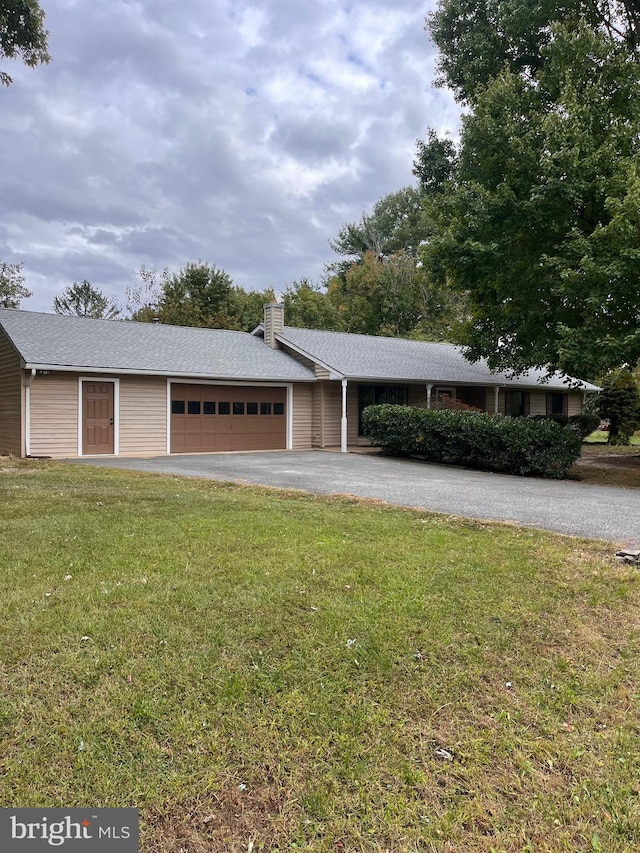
[54,415]
[10,398]
[143,415]
[302,417]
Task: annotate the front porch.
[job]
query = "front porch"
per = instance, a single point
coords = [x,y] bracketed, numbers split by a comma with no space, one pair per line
[337,405]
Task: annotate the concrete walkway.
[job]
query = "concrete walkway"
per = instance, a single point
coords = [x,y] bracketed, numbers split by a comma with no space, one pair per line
[597,512]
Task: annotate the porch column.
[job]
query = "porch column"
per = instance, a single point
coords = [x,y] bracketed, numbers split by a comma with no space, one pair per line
[429,388]
[496,399]
[343,423]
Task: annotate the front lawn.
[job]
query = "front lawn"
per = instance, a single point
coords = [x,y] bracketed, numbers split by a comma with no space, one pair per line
[256,670]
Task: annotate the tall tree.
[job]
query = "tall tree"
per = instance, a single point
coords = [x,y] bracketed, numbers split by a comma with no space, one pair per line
[12,289]
[619,402]
[540,221]
[85,300]
[308,306]
[200,294]
[395,224]
[394,296]
[480,39]
[22,33]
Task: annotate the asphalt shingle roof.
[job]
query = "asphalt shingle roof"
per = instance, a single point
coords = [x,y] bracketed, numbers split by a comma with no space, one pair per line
[82,343]
[366,357]
[72,342]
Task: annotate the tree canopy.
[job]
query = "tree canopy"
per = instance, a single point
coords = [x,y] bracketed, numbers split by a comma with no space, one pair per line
[308,306]
[200,294]
[22,34]
[12,289]
[85,300]
[539,221]
[395,296]
[394,224]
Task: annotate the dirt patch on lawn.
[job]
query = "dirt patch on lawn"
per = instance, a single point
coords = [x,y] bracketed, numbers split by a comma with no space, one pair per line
[611,460]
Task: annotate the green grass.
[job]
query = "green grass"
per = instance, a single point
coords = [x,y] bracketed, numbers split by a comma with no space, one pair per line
[256,670]
[602,437]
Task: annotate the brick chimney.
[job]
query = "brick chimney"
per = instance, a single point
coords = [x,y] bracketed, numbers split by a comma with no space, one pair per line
[273,323]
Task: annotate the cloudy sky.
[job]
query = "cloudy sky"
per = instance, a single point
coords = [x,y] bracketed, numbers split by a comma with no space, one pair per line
[244,135]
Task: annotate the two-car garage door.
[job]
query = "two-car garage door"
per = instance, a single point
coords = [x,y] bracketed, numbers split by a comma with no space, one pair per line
[209,418]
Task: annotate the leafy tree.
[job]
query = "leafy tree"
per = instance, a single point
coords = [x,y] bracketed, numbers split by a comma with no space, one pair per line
[619,402]
[22,33]
[307,306]
[540,221]
[393,296]
[480,39]
[144,296]
[395,224]
[248,307]
[198,295]
[85,300]
[12,288]
[435,163]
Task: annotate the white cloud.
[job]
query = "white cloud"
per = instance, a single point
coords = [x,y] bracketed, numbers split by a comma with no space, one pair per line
[239,133]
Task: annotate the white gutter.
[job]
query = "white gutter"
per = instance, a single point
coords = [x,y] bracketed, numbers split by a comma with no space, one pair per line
[111,371]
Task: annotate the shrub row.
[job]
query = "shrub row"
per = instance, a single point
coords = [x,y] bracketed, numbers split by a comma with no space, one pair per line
[583,425]
[477,440]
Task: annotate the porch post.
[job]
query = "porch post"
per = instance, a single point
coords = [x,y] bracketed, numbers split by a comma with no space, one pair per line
[496,399]
[429,387]
[343,423]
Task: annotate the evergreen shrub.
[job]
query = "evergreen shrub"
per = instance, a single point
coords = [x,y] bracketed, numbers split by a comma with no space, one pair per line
[474,439]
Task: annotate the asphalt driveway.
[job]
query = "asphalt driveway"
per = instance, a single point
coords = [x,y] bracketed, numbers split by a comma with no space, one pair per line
[599,512]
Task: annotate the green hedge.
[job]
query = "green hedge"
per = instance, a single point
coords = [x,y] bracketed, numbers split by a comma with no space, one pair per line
[477,440]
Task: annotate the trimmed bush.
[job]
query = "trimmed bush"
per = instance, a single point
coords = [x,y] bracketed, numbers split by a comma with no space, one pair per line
[584,424]
[476,440]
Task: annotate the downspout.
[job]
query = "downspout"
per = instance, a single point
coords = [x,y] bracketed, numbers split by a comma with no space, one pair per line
[27,412]
[429,389]
[343,423]
[496,400]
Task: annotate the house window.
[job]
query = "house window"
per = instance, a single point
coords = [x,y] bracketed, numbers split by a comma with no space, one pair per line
[557,403]
[375,395]
[177,407]
[238,408]
[265,408]
[252,408]
[193,407]
[516,403]
[209,407]
[224,408]
[278,408]
[473,396]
